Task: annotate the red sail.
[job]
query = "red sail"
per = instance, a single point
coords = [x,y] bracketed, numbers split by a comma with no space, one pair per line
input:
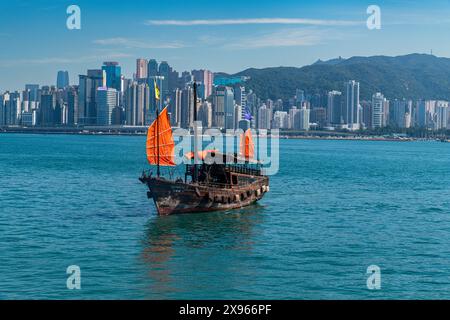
[247,145]
[160,141]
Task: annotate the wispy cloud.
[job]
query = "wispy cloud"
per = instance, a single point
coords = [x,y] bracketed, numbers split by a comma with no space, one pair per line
[138,44]
[282,38]
[218,22]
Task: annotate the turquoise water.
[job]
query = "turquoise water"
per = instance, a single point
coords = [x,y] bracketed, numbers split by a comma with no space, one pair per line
[335,208]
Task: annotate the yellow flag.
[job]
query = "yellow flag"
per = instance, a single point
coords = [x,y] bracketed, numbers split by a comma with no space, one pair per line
[157,94]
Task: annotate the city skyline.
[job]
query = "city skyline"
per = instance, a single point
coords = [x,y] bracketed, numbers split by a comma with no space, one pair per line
[259,34]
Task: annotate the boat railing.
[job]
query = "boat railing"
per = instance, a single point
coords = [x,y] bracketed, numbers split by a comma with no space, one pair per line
[235,168]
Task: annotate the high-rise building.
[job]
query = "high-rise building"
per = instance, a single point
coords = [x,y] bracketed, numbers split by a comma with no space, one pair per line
[352,109]
[240,97]
[238,115]
[47,109]
[3,99]
[113,74]
[299,97]
[137,102]
[87,95]
[223,107]
[107,101]
[205,114]
[175,107]
[441,115]
[400,113]
[187,107]
[334,108]
[72,106]
[206,78]
[152,68]
[33,92]
[164,71]
[62,80]
[319,117]
[378,112]
[303,121]
[141,69]
[280,120]
[264,117]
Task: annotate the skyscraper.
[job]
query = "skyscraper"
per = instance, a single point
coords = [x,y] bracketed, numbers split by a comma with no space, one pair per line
[164,71]
[62,80]
[107,101]
[441,115]
[141,69]
[378,112]
[334,108]
[400,113]
[87,95]
[304,115]
[72,106]
[264,117]
[352,108]
[152,68]
[113,74]
[223,107]
[137,110]
[187,105]
[205,77]
[175,107]
[47,109]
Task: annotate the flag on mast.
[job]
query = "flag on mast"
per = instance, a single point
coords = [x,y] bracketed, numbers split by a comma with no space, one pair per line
[157,92]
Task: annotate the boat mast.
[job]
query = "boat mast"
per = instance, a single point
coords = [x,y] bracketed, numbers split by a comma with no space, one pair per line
[157,131]
[195,177]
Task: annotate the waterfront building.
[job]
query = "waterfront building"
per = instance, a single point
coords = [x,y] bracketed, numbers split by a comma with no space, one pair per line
[264,117]
[319,117]
[334,108]
[107,101]
[87,95]
[47,109]
[72,106]
[400,113]
[3,99]
[441,115]
[280,120]
[351,112]
[292,116]
[378,113]
[137,98]
[303,118]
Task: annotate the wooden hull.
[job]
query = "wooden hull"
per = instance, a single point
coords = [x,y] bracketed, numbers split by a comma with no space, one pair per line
[175,198]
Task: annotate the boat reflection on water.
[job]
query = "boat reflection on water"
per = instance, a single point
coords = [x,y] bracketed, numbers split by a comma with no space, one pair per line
[177,248]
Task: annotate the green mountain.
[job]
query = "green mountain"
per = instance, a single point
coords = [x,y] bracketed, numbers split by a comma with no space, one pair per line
[412,76]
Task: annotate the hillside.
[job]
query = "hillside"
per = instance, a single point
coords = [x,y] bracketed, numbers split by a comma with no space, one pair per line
[411,76]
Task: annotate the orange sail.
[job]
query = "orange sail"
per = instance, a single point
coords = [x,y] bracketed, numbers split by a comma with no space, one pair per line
[247,145]
[160,141]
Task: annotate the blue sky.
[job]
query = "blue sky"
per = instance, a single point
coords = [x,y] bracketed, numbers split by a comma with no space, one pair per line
[231,36]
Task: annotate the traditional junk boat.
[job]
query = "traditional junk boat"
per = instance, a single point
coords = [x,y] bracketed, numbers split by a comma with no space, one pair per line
[234,182]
